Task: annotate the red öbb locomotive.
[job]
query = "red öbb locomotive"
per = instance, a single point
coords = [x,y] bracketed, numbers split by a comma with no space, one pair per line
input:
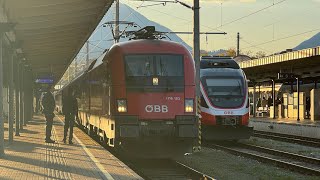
[139,97]
[224,101]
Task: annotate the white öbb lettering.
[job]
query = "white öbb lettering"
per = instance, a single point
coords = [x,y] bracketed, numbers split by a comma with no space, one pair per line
[156,108]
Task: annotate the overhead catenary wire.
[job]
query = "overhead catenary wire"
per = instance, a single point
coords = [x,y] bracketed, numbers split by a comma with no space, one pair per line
[142,21]
[186,20]
[282,38]
[273,4]
[263,49]
[177,17]
[97,46]
[106,36]
[250,14]
[91,50]
[135,13]
[230,22]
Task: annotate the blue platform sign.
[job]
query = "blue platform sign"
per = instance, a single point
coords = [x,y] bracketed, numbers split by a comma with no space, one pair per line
[44,81]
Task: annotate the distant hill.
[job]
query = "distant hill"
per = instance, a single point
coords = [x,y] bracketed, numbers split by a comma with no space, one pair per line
[126,14]
[312,42]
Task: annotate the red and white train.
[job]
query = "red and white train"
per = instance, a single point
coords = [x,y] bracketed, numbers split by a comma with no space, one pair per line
[140,98]
[224,100]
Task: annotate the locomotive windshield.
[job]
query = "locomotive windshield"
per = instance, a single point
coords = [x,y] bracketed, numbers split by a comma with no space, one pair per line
[142,68]
[154,65]
[225,92]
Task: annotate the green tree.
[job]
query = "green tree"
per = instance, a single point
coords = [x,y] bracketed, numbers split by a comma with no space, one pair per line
[231,52]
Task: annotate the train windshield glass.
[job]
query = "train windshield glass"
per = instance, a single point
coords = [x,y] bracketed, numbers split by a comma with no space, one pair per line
[225,92]
[154,65]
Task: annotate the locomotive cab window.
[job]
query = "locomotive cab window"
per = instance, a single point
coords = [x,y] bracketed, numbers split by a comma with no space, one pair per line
[145,71]
[154,65]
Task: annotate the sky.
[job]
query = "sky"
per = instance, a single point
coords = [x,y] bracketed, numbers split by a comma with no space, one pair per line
[264,25]
[270,26]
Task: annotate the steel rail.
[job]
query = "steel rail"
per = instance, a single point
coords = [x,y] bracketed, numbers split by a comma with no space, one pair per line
[291,166]
[288,138]
[173,168]
[195,173]
[290,155]
[165,169]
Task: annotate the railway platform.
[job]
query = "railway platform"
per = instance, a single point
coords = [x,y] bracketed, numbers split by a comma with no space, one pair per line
[303,128]
[29,157]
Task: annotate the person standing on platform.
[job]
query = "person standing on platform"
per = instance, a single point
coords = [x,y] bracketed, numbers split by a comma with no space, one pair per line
[70,110]
[270,101]
[308,106]
[49,105]
[264,102]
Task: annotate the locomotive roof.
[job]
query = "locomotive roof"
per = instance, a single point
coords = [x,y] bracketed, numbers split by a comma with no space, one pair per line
[218,62]
[134,44]
[227,72]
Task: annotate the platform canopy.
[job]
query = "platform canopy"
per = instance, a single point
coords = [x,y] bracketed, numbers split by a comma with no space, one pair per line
[304,64]
[52,32]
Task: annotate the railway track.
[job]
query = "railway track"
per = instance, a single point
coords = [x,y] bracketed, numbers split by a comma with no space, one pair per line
[164,169]
[157,168]
[291,161]
[288,138]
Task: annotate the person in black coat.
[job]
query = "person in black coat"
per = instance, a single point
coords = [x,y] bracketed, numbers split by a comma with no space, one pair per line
[270,101]
[70,110]
[308,104]
[49,105]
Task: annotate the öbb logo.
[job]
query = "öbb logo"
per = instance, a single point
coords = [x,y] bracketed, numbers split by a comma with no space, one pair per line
[156,108]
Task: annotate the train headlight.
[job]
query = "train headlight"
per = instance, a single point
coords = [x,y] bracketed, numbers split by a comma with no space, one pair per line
[122,105]
[155,81]
[188,104]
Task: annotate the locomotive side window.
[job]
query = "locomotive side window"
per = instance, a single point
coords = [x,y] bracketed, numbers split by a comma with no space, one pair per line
[96,92]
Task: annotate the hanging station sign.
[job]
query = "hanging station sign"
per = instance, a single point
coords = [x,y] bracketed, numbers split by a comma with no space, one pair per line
[44,81]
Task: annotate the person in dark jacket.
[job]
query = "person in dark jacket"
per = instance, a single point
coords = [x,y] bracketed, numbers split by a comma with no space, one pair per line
[308,104]
[270,101]
[70,110]
[49,105]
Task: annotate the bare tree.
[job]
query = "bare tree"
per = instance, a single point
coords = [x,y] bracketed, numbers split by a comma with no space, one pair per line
[260,54]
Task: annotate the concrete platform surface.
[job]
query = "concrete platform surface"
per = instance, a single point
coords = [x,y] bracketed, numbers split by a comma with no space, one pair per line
[29,157]
[304,128]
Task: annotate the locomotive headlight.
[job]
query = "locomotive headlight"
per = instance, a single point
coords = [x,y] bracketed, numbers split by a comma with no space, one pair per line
[122,105]
[155,81]
[188,104]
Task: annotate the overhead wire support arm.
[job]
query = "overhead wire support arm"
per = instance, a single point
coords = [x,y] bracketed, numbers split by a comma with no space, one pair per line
[207,33]
[164,2]
[185,5]
[156,4]
[111,24]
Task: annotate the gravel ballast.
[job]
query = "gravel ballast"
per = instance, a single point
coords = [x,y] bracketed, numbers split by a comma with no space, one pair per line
[223,165]
[284,146]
